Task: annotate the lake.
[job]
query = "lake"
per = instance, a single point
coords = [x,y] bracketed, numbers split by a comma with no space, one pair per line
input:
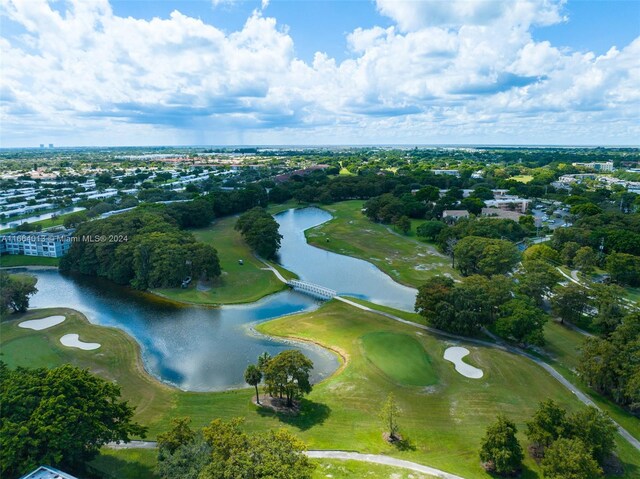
[207,349]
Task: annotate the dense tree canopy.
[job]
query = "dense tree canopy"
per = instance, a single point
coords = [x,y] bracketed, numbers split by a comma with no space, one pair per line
[570,459]
[501,452]
[486,256]
[611,364]
[60,417]
[260,231]
[143,248]
[223,451]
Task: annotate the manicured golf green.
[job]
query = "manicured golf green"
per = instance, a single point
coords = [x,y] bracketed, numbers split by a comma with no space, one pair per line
[239,283]
[13,260]
[400,357]
[442,423]
[405,259]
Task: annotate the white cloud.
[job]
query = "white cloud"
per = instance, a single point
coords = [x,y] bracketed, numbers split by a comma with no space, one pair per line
[463,71]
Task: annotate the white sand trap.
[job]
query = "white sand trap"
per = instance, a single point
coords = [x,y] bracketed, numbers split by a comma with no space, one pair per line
[40,324]
[73,341]
[455,354]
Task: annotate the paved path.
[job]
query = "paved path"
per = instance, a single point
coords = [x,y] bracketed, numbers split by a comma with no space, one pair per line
[316,454]
[379,459]
[505,347]
[275,271]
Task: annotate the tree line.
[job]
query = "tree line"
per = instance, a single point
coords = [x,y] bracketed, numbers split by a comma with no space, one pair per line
[144,248]
[568,446]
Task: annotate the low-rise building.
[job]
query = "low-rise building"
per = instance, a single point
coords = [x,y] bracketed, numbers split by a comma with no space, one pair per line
[500,213]
[48,472]
[32,243]
[455,214]
[598,166]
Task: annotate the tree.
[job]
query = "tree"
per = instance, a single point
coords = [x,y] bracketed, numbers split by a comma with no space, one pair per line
[431,294]
[74,219]
[430,229]
[568,252]
[260,231]
[60,417]
[263,360]
[187,461]
[541,252]
[536,279]
[586,209]
[486,256]
[403,223]
[288,374]
[179,434]
[521,321]
[473,205]
[608,299]
[272,455]
[500,451]
[428,194]
[595,428]
[548,423]
[15,291]
[253,376]
[389,416]
[570,303]
[585,259]
[570,459]
[624,268]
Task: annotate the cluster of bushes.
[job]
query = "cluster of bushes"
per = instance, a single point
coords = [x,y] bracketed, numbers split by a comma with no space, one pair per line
[143,248]
[568,446]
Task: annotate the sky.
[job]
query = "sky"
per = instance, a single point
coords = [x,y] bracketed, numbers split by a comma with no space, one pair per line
[308,72]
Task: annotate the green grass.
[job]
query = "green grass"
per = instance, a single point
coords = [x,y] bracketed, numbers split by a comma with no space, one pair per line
[8,261]
[126,463]
[238,283]
[633,294]
[405,259]
[337,469]
[401,357]
[140,463]
[522,178]
[562,351]
[443,424]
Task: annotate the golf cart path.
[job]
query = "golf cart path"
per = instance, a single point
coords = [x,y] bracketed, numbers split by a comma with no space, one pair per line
[317,454]
[504,347]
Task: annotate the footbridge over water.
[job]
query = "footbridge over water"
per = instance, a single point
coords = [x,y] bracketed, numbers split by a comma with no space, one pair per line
[311,289]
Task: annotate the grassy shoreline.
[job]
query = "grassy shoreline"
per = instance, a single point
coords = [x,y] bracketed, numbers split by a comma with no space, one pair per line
[444,422]
[351,233]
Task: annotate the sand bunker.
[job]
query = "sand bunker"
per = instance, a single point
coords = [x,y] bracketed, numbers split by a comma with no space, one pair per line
[73,341]
[40,324]
[455,355]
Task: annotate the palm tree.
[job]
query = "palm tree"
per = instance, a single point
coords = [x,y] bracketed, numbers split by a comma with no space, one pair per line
[253,376]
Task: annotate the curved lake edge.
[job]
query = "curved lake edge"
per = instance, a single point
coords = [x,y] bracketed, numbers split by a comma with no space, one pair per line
[138,359]
[324,248]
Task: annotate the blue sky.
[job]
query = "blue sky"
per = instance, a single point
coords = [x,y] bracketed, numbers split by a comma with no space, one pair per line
[319,72]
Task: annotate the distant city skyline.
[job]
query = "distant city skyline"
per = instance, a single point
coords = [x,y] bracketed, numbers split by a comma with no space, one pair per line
[232,72]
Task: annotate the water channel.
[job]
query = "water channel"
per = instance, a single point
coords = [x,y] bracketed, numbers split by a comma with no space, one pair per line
[207,349]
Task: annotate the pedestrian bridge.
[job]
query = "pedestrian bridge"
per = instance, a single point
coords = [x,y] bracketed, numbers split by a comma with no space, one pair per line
[311,289]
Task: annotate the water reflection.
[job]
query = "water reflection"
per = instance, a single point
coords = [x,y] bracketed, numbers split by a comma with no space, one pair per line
[196,349]
[347,275]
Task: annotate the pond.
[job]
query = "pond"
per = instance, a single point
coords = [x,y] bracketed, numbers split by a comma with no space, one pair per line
[347,275]
[207,349]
